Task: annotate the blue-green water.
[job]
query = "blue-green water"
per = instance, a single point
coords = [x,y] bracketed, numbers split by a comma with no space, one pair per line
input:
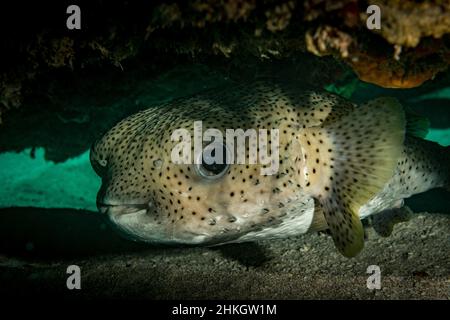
[40,183]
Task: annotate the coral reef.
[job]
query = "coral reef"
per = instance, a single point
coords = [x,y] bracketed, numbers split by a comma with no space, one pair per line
[409,49]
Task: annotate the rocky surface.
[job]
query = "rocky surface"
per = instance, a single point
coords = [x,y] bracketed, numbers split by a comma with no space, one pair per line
[37,245]
[411,47]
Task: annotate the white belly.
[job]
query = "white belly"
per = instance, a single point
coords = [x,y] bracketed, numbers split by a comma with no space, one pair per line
[293,223]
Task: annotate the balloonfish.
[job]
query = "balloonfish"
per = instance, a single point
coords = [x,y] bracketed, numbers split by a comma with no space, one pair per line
[176,173]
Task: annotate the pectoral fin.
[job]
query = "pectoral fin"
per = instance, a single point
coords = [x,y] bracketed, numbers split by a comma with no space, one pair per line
[348,160]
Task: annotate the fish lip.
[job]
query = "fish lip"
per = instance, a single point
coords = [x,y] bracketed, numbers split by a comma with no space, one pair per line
[125,207]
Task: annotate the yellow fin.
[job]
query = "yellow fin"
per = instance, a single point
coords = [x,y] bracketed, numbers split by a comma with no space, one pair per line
[347,160]
[318,223]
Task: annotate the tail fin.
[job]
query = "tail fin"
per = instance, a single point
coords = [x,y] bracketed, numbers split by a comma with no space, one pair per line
[416,125]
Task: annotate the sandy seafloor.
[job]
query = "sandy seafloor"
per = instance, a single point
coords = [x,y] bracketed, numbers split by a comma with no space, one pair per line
[414,263]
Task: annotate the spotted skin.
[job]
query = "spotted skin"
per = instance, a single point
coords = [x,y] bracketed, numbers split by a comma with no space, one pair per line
[150,198]
[423,165]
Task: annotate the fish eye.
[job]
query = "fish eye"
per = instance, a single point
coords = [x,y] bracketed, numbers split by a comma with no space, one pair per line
[213,164]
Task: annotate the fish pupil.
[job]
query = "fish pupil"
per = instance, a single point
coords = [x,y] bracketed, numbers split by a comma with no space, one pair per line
[216,166]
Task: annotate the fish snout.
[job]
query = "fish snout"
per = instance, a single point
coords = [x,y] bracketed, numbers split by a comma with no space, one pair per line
[107,204]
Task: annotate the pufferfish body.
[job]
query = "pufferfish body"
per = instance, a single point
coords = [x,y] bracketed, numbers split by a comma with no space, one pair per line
[337,163]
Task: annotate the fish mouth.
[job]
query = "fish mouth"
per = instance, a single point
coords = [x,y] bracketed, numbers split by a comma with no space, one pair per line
[133,222]
[122,208]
